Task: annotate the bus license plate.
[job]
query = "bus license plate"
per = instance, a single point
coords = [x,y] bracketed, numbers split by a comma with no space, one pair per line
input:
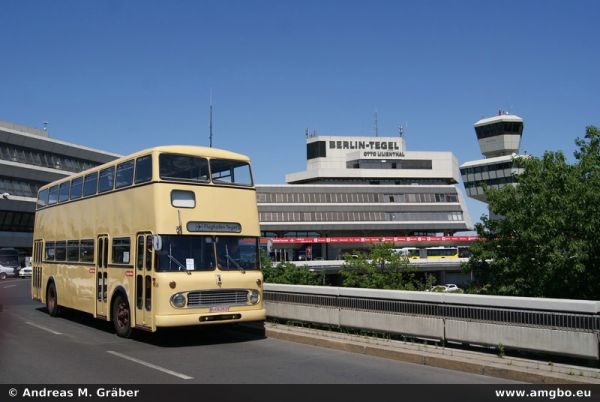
[218,309]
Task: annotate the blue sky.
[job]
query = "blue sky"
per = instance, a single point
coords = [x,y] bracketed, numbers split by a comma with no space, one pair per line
[126,75]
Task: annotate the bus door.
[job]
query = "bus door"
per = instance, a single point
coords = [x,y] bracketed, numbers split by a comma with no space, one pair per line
[102,277]
[36,265]
[143,280]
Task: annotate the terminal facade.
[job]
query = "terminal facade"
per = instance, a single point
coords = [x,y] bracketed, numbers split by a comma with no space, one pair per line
[360,188]
[29,158]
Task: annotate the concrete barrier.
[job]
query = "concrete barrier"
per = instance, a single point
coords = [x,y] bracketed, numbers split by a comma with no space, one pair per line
[563,327]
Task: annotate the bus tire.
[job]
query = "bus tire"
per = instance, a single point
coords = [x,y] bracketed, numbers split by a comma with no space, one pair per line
[2,276]
[52,300]
[121,316]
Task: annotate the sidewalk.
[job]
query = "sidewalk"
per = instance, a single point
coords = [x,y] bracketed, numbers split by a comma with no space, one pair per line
[513,368]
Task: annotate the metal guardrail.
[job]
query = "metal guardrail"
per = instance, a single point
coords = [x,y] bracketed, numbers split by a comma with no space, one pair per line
[543,319]
[423,265]
[518,322]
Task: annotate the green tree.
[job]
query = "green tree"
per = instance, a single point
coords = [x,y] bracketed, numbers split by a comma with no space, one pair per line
[546,243]
[288,273]
[381,268]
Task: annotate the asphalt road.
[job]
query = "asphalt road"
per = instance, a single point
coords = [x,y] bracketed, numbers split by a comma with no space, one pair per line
[77,349]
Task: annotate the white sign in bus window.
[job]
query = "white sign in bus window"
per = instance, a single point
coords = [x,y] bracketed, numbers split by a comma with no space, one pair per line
[189,264]
[126,257]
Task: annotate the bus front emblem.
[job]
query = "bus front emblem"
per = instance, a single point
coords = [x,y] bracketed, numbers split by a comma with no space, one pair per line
[219,280]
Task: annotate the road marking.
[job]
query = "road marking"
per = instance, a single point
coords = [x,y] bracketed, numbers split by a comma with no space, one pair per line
[11,280]
[44,328]
[155,367]
[9,286]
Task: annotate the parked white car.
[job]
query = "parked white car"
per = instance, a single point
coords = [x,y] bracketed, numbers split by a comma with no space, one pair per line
[450,287]
[25,272]
[7,272]
[447,288]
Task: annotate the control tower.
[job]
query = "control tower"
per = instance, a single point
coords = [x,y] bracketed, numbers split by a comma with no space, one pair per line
[499,139]
[499,135]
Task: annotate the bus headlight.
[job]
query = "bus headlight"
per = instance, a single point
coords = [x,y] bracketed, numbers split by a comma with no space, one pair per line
[253,296]
[178,300]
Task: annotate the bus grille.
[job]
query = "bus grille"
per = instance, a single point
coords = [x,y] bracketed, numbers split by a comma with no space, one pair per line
[207,298]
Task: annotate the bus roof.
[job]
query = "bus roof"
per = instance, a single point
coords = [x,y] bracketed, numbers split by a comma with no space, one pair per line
[175,149]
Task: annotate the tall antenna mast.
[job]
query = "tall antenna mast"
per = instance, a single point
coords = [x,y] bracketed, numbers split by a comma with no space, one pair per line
[402,129]
[210,134]
[376,125]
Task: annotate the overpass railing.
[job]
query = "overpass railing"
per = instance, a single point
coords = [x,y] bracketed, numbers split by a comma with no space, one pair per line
[556,326]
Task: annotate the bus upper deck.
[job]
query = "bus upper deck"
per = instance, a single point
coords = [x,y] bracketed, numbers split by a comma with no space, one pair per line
[183,164]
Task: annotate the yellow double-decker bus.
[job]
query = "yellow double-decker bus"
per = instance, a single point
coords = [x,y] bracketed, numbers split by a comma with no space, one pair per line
[164,237]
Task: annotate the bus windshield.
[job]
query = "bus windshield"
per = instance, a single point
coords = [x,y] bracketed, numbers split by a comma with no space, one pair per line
[183,167]
[230,172]
[197,253]
[235,252]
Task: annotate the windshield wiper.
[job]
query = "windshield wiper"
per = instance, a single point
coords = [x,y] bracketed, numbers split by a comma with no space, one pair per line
[234,263]
[171,258]
[229,259]
[176,262]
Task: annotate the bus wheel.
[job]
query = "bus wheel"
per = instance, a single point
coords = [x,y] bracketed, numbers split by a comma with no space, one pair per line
[121,316]
[2,276]
[52,300]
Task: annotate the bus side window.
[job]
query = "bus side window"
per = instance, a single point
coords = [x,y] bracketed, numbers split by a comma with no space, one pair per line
[90,184]
[124,174]
[121,250]
[73,250]
[49,251]
[86,251]
[60,250]
[106,182]
[143,169]
[63,193]
[76,187]
[53,195]
[42,198]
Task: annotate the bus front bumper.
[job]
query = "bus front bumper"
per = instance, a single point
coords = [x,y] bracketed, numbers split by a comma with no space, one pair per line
[181,320]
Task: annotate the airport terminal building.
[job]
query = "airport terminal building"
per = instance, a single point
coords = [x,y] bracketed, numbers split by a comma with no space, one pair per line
[361,188]
[29,158]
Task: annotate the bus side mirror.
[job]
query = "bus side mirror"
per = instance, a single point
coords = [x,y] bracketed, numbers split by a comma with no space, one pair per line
[157,242]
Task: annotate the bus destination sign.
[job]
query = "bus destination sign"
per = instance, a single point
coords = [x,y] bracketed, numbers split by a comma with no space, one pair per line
[220,227]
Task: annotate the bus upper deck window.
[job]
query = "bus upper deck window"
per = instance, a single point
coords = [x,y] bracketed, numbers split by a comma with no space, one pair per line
[124,174]
[53,195]
[90,184]
[183,168]
[42,198]
[76,188]
[143,169]
[106,181]
[230,172]
[63,192]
